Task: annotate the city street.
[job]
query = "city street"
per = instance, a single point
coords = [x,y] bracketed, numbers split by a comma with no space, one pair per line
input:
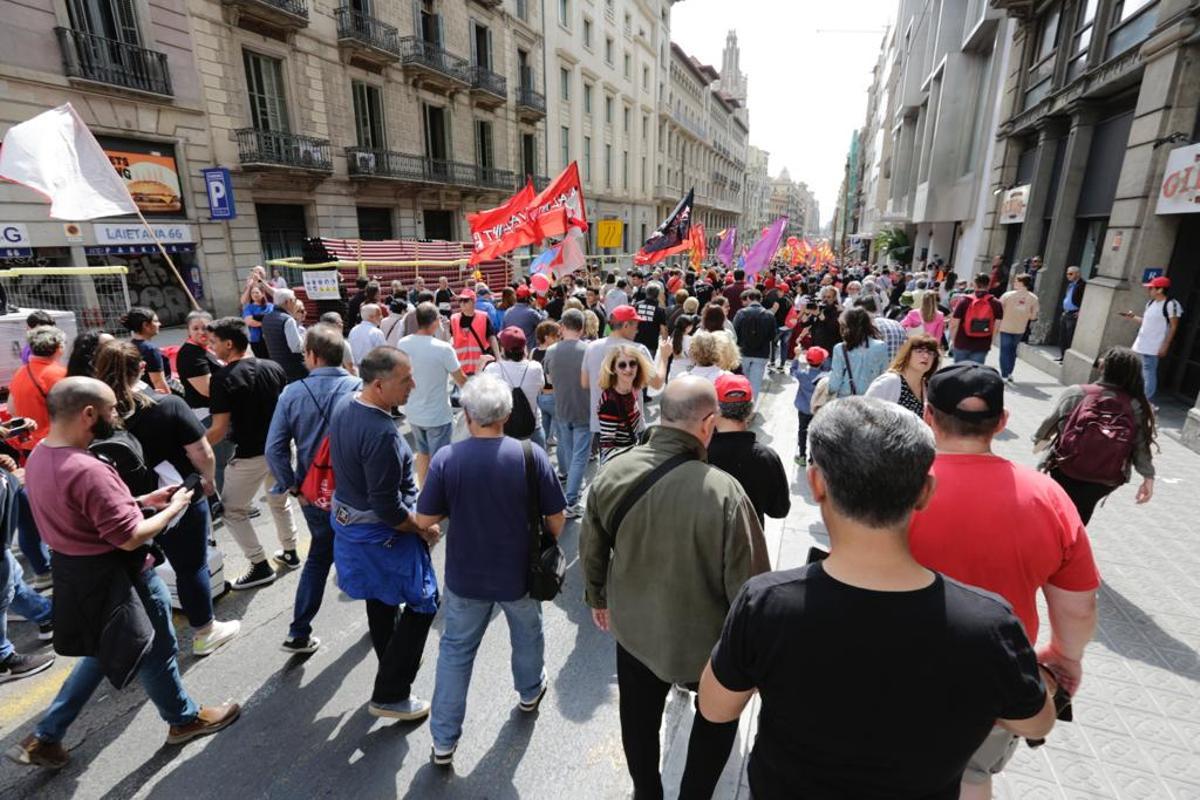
[305,731]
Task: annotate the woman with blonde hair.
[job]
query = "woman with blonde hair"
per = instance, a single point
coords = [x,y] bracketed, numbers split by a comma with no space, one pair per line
[904,382]
[591,325]
[624,372]
[711,354]
[926,317]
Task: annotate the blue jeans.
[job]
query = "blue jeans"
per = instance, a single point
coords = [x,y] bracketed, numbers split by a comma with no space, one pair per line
[1150,374]
[464,622]
[32,546]
[1008,353]
[546,403]
[781,344]
[574,447]
[186,547]
[315,572]
[978,356]
[538,437]
[159,671]
[16,594]
[754,368]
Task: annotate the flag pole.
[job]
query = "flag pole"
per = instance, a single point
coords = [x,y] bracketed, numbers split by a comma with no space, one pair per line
[170,262]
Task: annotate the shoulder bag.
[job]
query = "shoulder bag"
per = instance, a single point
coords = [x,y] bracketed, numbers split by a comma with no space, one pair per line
[644,485]
[547,563]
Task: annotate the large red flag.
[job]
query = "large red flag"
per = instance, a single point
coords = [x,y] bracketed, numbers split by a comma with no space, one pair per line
[504,228]
[560,206]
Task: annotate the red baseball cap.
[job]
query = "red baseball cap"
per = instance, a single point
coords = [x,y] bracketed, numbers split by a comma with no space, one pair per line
[1161,282]
[466,294]
[734,389]
[512,338]
[815,356]
[522,292]
[623,314]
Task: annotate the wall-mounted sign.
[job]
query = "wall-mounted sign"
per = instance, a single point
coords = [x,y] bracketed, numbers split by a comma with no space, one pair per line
[609,232]
[124,234]
[1179,192]
[150,173]
[1012,209]
[219,188]
[14,240]
[73,232]
[1150,273]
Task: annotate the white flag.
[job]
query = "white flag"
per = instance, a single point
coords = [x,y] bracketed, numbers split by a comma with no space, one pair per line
[55,154]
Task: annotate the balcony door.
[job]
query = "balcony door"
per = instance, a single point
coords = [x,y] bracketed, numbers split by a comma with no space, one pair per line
[484,158]
[107,41]
[437,141]
[481,45]
[368,116]
[524,70]
[110,19]
[528,156]
[428,21]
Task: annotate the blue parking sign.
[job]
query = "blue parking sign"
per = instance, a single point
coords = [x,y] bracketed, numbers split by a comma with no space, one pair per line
[219,188]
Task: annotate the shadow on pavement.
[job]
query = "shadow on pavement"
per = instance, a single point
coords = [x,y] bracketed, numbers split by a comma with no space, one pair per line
[580,686]
[492,776]
[1170,653]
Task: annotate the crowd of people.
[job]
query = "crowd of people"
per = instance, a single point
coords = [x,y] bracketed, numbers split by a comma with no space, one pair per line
[900,663]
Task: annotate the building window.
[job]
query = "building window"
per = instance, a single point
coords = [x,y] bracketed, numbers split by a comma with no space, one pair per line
[564,78]
[264,84]
[628,65]
[625,169]
[643,176]
[564,13]
[1132,22]
[608,166]
[628,24]
[645,127]
[368,115]
[608,110]
[587,33]
[483,145]
[1082,38]
[587,98]
[587,159]
[523,10]
[566,146]
[481,45]
[608,50]
[529,154]
[625,121]
[646,79]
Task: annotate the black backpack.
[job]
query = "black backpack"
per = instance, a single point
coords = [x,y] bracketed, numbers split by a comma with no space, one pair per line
[521,422]
[124,453]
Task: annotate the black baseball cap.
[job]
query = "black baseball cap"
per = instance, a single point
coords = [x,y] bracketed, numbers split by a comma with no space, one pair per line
[950,385]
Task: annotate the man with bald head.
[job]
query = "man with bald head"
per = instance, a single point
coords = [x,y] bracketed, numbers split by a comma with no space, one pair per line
[667,542]
[111,607]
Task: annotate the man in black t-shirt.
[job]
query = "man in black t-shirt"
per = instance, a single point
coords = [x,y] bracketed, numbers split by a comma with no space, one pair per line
[652,320]
[879,678]
[735,449]
[244,394]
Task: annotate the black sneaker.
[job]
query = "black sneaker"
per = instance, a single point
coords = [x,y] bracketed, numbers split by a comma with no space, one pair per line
[259,574]
[18,666]
[300,645]
[286,559]
[45,631]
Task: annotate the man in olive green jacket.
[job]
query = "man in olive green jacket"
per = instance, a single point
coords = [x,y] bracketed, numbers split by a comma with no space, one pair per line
[665,584]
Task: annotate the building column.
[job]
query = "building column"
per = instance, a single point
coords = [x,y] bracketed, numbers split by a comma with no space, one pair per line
[1051,279]
[1050,131]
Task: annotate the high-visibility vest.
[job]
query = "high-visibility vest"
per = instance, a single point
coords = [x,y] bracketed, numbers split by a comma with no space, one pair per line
[466,343]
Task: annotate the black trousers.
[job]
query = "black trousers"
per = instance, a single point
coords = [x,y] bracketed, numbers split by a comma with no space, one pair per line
[802,433]
[1084,494]
[399,641]
[643,698]
[1066,330]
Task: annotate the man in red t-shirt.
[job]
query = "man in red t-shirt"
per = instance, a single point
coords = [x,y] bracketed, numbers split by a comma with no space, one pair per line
[1005,528]
[973,345]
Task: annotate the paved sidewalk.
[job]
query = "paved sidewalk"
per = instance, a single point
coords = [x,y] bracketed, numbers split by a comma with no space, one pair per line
[1137,728]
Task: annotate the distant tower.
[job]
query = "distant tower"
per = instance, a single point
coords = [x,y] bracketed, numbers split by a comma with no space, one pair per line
[733,82]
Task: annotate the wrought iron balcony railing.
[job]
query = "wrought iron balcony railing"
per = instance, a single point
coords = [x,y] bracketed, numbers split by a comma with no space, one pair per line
[531,99]
[365,29]
[95,58]
[416,52]
[277,148]
[483,79]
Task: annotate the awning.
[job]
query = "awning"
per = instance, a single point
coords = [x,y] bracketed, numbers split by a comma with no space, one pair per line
[136,249]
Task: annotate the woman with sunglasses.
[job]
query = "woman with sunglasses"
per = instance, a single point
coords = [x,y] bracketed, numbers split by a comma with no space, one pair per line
[623,373]
[904,382]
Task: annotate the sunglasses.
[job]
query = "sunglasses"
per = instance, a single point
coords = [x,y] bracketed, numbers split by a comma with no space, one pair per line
[626,365]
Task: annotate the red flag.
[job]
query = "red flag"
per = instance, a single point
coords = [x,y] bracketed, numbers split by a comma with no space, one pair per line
[560,206]
[503,229]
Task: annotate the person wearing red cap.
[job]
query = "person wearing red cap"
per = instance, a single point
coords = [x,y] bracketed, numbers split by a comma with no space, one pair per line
[522,314]
[807,372]
[472,335]
[1159,323]
[520,372]
[735,449]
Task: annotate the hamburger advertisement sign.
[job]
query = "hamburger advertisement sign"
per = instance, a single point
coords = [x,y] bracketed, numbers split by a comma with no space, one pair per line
[150,173]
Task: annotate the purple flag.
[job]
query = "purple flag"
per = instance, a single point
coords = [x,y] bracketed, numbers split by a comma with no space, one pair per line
[725,249]
[764,249]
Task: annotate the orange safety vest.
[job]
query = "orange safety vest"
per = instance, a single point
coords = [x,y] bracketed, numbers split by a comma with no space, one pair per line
[467,341]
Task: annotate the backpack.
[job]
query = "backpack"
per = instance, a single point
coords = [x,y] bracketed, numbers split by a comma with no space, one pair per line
[124,453]
[521,422]
[1096,442]
[980,318]
[318,484]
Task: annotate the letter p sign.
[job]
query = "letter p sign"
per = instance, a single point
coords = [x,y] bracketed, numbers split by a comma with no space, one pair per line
[219,188]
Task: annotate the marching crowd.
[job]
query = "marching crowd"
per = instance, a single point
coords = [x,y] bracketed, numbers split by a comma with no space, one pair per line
[900,663]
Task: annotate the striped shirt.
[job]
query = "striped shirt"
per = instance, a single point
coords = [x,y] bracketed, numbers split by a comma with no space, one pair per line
[620,421]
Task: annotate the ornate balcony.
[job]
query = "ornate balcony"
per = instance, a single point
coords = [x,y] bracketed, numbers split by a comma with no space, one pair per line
[431,67]
[365,40]
[266,150]
[408,168]
[531,104]
[107,61]
[268,16]
[489,89]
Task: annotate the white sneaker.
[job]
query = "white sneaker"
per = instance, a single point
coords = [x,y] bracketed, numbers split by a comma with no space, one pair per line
[220,633]
[412,708]
[575,511]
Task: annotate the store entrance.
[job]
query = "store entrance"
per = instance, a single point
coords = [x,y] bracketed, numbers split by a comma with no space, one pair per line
[1181,367]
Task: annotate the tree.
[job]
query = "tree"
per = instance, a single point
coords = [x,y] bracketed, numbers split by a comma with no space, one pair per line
[894,243]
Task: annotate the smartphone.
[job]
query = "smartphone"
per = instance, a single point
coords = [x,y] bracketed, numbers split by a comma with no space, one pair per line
[190,484]
[18,425]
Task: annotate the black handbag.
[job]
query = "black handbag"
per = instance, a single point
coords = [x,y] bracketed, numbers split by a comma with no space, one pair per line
[547,562]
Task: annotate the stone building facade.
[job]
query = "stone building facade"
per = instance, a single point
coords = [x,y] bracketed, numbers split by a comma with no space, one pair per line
[1098,95]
